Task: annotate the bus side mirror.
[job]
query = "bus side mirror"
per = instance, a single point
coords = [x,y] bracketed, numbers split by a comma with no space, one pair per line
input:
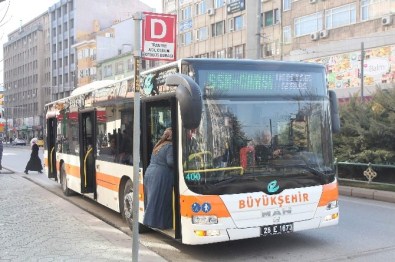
[335,117]
[190,98]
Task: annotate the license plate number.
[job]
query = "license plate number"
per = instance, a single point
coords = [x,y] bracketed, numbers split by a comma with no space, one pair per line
[277,229]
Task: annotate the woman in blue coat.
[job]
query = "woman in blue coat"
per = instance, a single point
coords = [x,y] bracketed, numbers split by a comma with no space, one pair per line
[158,184]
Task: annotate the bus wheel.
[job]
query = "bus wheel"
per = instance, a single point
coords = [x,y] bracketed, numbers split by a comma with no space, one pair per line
[63,181]
[127,207]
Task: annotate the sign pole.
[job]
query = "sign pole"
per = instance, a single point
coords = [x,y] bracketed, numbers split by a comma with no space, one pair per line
[136,135]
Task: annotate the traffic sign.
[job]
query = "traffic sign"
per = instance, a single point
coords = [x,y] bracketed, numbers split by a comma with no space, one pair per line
[159,36]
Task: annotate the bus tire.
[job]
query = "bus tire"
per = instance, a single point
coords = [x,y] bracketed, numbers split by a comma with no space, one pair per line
[63,181]
[126,206]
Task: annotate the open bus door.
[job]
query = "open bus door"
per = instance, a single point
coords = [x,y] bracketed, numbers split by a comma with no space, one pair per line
[87,135]
[159,114]
[51,146]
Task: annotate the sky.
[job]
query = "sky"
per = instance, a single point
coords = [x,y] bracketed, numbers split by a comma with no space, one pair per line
[26,10]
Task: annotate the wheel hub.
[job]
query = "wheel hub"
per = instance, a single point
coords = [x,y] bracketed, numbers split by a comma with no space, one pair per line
[128,204]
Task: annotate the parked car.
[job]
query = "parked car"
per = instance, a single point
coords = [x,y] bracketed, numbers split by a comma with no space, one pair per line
[19,142]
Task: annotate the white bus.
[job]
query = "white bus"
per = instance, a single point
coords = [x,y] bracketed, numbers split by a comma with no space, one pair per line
[252,146]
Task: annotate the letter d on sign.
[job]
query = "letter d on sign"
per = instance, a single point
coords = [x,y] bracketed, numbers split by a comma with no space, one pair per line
[155,24]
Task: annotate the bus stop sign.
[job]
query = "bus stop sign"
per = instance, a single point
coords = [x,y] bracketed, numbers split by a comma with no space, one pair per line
[159,36]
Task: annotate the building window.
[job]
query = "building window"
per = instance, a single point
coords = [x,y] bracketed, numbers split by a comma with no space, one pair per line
[287,5]
[272,17]
[340,16]
[269,49]
[186,38]
[202,33]
[218,3]
[64,9]
[66,78]
[308,24]
[200,8]
[221,54]
[107,70]
[287,36]
[238,23]
[230,52]
[54,81]
[119,68]
[371,9]
[92,71]
[130,65]
[186,13]
[239,51]
[217,29]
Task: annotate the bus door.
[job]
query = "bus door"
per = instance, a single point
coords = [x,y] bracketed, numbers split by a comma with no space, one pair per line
[51,147]
[157,115]
[87,134]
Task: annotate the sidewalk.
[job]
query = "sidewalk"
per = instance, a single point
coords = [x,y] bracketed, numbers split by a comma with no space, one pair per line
[36,225]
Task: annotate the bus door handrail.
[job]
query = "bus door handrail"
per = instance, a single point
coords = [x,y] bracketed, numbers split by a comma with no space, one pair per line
[86,157]
[50,158]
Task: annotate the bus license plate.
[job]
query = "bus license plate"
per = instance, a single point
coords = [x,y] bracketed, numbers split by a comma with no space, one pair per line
[277,229]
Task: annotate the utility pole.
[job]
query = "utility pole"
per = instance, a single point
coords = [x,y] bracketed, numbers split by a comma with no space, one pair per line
[362,67]
[258,33]
[138,17]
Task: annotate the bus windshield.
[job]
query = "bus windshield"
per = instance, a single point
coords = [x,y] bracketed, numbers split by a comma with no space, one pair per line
[247,140]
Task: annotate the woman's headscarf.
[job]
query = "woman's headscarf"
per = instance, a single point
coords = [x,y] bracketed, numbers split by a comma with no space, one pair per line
[164,140]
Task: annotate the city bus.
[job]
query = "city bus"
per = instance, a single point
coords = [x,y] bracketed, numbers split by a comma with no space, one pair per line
[252,146]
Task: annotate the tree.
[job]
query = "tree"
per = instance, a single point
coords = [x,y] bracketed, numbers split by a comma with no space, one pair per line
[368,129]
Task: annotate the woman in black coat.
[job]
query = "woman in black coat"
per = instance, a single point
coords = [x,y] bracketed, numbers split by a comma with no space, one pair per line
[34,163]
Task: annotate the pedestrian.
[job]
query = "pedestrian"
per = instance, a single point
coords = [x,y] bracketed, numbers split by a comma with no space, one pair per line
[34,163]
[1,153]
[158,184]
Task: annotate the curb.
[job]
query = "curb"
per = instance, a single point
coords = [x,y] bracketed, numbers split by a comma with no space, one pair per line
[379,195]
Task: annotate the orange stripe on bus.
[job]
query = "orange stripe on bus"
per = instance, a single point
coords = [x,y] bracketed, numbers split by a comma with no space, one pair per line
[141,192]
[73,170]
[330,193]
[102,179]
[218,207]
[108,181]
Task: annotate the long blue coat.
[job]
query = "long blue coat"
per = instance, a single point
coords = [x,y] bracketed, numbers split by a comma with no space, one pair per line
[158,188]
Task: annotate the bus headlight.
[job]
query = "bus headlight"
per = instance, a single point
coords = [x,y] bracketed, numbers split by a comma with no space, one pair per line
[204,220]
[332,205]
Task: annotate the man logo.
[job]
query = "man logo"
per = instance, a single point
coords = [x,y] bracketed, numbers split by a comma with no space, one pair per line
[272,187]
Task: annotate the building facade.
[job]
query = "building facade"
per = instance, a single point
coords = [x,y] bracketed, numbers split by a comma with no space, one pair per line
[27,85]
[75,24]
[325,31]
